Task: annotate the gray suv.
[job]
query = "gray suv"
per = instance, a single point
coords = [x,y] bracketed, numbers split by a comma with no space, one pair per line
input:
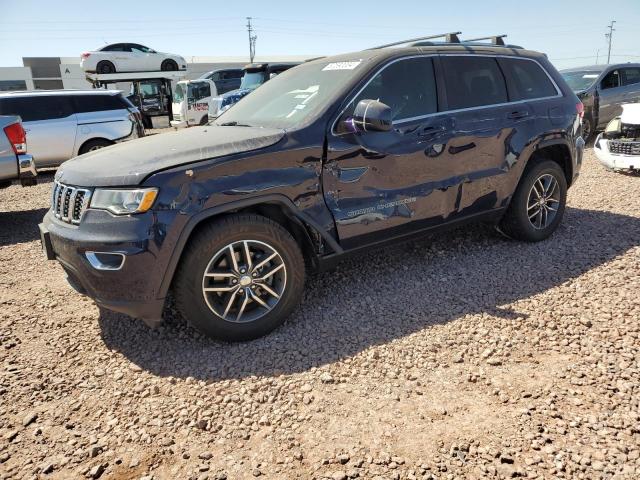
[61,124]
[603,89]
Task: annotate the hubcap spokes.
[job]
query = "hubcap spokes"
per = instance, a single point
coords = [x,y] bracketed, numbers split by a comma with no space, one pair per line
[244,281]
[543,201]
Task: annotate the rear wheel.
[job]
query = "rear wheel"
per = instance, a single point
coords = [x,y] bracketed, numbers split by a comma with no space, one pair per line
[240,278]
[169,66]
[93,145]
[105,67]
[538,205]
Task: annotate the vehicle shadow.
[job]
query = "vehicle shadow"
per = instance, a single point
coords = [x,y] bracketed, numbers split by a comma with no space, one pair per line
[385,295]
[20,226]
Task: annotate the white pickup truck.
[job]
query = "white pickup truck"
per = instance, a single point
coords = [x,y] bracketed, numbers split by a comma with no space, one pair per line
[15,163]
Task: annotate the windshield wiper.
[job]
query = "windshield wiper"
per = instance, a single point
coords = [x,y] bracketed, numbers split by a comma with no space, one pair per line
[233,124]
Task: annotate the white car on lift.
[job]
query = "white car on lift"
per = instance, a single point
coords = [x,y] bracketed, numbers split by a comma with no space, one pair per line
[618,147]
[130,57]
[191,101]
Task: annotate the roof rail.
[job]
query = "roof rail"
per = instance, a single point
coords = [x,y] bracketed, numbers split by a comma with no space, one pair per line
[495,39]
[451,37]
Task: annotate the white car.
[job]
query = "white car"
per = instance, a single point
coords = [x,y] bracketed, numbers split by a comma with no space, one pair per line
[130,57]
[618,147]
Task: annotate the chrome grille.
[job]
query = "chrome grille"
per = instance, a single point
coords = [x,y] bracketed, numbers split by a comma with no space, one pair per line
[624,147]
[69,203]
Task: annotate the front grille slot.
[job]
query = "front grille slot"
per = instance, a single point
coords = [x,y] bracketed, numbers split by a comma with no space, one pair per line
[69,203]
[624,147]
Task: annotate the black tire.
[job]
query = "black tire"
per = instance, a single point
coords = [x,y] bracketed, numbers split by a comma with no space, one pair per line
[202,249]
[587,129]
[204,120]
[105,67]
[95,144]
[169,66]
[516,222]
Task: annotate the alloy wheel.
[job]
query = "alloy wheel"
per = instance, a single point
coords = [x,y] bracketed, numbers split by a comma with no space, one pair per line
[543,201]
[244,281]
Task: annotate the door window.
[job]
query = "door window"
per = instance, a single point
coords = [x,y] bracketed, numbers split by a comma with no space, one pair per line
[630,76]
[611,80]
[117,47]
[199,91]
[97,103]
[526,80]
[215,76]
[38,107]
[473,81]
[407,86]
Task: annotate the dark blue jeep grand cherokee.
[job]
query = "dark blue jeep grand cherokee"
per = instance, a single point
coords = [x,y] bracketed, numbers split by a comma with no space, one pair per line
[331,157]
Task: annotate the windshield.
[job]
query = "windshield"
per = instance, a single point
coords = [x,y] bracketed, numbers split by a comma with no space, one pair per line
[252,80]
[178,94]
[293,96]
[582,80]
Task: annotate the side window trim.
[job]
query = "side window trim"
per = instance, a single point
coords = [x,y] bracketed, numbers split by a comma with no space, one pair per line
[439,79]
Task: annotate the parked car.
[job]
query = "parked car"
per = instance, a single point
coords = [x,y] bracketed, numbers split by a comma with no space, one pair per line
[15,162]
[330,158]
[129,57]
[191,99]
[603,89]
[226,79]
[61,124]
[253,76]
[618,147]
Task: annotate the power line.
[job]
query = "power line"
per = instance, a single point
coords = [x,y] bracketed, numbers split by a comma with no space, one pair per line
[252,40]
[610,37]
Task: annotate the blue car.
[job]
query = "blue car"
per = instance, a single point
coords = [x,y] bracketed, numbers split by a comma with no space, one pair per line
[254,75]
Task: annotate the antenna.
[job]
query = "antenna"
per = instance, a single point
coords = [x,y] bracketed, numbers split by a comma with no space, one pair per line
[252,40]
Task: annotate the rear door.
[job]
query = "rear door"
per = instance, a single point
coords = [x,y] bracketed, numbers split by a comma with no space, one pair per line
[480,153]
[50,125]
[631,84]
[611,96]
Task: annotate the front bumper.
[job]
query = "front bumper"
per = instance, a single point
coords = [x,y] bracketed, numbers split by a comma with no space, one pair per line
[132,289]
[614,161]
[27,170]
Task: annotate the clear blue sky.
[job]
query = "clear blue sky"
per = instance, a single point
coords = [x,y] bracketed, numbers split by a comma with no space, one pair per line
[570,32]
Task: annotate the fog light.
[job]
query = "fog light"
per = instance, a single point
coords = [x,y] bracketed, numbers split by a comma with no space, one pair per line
[105,260]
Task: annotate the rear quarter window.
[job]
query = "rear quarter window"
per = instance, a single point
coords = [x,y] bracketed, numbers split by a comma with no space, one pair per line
[526,80]
[97,103]
[38,107]
[473,81]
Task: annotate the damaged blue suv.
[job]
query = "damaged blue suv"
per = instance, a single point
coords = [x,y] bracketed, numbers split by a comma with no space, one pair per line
[329,158]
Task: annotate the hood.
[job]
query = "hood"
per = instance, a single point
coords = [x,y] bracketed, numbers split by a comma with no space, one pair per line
[129,163]
[630,114]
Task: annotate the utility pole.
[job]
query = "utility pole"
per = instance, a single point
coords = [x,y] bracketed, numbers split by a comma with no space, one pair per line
[252,40]
[609,36]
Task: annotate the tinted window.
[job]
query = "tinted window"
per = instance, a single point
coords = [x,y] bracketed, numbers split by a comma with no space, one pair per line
[97,103]
[630,76]
[8,85]
[215,76]
[38,107]
[199,91]
[611,80]
[407,86]
[526,80]
[117,47]
[235,74]
[473,82]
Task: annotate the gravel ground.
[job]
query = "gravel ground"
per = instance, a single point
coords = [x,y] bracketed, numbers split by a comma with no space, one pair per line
[466,356]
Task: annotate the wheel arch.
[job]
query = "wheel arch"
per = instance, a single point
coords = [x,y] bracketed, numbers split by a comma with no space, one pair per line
[93,139]
[557,150]
[307,233]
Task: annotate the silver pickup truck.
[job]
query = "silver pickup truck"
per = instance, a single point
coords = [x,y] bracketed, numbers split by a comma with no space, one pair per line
[15,163]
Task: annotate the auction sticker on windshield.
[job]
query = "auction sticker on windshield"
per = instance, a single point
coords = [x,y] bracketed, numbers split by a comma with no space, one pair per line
[342,65]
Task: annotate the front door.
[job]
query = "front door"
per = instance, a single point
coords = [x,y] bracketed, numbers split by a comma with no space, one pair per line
[611,96]
[382,184]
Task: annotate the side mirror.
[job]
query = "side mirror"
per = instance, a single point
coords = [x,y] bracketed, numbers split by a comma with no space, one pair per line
[371,116]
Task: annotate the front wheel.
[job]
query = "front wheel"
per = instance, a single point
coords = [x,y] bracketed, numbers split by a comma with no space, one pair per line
[240,278]
[169,66]
[538,204]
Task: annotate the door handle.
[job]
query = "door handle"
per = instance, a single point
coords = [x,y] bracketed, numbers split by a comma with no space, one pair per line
[431,131]
[518,114]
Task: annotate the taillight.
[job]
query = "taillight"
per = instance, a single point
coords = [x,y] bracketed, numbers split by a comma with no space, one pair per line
[17,137]
[580,109]
[85,55]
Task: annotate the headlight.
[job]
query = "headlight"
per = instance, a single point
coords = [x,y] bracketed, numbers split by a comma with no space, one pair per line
[124,202]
